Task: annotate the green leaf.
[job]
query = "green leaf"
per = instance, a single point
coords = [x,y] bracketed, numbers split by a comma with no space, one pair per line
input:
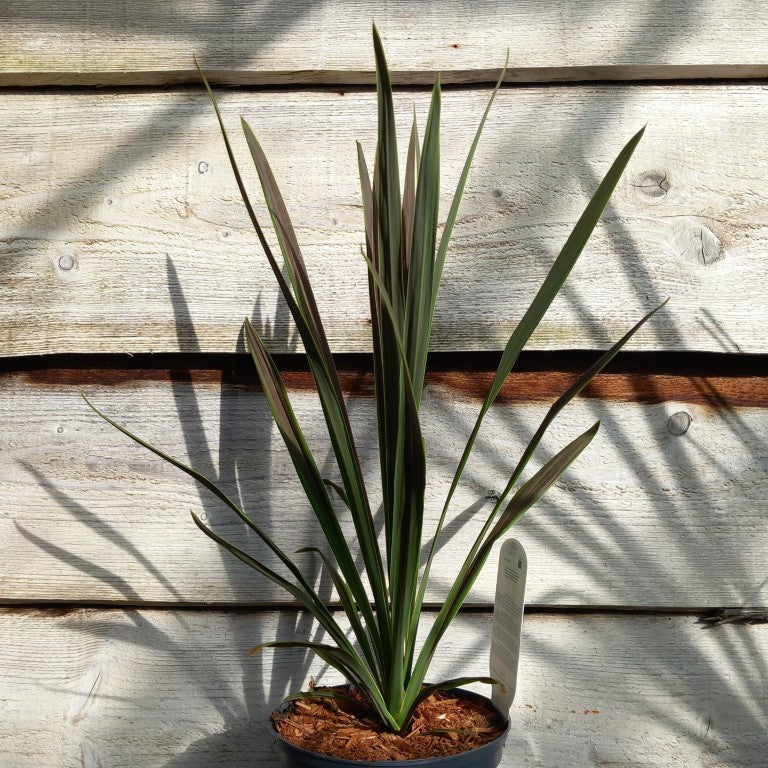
[387,179]
[440,256]
[387,211]
[532,490]
[384,428]
[286,236]
[551,286]
[325,374]
[285,290]
[340,492]
[419,305]
[553,412]
[212,487]
[409,475]
[409,195]
[310,329]
[575,389]
[384,300]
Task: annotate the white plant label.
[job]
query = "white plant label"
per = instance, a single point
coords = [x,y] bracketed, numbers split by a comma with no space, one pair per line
[508,622]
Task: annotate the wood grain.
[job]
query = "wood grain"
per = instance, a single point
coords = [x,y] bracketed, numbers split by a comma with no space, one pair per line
[171,689]
[668,507]
[143,43]
[122,231]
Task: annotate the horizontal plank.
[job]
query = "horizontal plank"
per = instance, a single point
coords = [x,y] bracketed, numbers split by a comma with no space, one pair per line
[122,230]
[668,507]
[81,689]
[117,42]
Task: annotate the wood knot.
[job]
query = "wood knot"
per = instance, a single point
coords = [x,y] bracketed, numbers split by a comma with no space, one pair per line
[679,423]
[709,246]
[66,262]
[653,184]
[697,243]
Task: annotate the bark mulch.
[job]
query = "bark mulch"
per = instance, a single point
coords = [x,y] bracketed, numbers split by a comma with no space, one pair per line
[446,723]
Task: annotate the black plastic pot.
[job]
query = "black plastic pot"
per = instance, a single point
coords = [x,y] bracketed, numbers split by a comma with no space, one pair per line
[487,756]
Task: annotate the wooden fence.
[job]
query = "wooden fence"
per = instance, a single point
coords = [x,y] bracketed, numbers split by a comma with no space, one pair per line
[128,264]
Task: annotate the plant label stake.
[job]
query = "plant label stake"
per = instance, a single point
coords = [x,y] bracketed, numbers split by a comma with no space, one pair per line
[508,622]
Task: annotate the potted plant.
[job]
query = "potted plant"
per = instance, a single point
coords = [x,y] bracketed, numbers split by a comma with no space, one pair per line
[386,670]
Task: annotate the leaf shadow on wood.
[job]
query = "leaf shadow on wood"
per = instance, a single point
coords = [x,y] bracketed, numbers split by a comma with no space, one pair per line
[72,199]
[232,472]
[675,691]
[71,559]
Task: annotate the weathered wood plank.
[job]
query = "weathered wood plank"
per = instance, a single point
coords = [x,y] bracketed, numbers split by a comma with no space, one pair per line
[119,42]
[122,231]
[668,507]
[81,689]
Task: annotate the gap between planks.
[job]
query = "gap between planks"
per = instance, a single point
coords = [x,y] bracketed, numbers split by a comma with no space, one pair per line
[717,380]
[343,81]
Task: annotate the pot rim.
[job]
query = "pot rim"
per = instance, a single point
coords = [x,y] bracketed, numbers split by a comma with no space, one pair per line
[390,763]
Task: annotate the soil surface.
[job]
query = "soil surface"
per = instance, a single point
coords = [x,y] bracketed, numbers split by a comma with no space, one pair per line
[345,726]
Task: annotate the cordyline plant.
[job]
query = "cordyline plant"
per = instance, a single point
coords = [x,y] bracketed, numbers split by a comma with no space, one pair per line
[405,259]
